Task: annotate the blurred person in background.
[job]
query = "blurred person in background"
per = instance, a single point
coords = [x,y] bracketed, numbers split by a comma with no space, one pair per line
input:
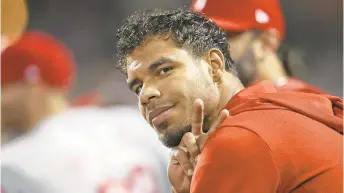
[36,74]
[89,149]
[255,29]
[14,19]
[50,146]
[88,99]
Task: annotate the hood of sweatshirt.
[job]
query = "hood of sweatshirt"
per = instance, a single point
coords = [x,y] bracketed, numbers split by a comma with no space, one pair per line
[264,95]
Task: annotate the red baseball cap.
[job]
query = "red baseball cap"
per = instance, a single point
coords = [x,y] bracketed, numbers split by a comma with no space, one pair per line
[242,15]
[37,57]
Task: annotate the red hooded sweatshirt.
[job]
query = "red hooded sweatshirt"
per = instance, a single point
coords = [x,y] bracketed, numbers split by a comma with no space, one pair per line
[296,85]
[274,143]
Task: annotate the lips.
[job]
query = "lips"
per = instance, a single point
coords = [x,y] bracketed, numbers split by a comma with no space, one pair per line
[158,112]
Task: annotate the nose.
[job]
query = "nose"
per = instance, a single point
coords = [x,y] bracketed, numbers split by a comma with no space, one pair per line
[148,93]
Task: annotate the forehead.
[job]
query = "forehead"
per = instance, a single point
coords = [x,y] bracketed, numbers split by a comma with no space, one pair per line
[154,49]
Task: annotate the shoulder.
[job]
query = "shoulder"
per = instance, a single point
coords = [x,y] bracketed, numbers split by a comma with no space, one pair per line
[227,136]
[235,143]
[233,156]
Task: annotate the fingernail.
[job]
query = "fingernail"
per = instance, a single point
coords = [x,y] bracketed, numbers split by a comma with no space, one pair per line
[190,172]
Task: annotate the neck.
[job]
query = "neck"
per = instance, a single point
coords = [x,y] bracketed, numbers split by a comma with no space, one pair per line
[231,85]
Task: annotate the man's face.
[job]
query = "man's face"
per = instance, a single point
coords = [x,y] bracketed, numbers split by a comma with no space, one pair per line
[239,42]
[167,80]
[244,55]
[255,56]
[14,99]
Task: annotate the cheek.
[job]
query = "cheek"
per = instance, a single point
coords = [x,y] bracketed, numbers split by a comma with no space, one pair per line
[177,88]
[208,92]
[184,87]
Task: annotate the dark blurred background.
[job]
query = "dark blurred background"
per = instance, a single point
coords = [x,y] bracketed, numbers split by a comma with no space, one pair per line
[88,28]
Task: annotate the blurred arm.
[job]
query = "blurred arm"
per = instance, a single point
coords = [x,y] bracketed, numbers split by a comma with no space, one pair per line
[14,180]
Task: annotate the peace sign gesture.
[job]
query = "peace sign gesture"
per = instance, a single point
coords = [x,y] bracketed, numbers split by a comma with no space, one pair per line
[185,156]
[197,122]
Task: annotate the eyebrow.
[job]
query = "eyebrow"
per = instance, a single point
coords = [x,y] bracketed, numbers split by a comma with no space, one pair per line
[151,68]
[158,63]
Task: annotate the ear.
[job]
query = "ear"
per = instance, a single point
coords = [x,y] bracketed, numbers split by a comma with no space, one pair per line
[270,39]
[216,62]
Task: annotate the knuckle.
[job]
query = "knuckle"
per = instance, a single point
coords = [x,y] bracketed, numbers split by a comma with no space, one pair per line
[175,152]
[183,148]
[187,136]
[186,165]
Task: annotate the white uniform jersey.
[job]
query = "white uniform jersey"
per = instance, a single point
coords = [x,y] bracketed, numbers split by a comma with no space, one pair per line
[87,150]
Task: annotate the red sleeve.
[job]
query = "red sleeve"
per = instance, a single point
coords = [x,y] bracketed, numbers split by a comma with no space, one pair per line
[235,160]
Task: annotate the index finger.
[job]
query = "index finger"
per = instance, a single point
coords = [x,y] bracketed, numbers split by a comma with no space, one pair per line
[197,117]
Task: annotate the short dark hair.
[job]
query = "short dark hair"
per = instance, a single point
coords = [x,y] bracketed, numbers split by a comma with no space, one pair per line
[190,30]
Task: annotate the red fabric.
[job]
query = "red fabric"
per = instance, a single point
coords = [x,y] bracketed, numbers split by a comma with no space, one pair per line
[240,15]
[274,142]
[53,60]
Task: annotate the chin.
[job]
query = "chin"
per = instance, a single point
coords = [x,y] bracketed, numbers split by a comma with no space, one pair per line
[172,136]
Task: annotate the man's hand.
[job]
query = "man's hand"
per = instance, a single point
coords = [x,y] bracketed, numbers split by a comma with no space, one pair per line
[185,156]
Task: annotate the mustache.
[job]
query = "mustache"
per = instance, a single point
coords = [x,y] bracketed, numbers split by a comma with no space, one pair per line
[158,103]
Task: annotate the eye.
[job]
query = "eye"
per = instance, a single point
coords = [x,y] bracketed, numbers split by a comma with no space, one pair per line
[163,71]
[138,90]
